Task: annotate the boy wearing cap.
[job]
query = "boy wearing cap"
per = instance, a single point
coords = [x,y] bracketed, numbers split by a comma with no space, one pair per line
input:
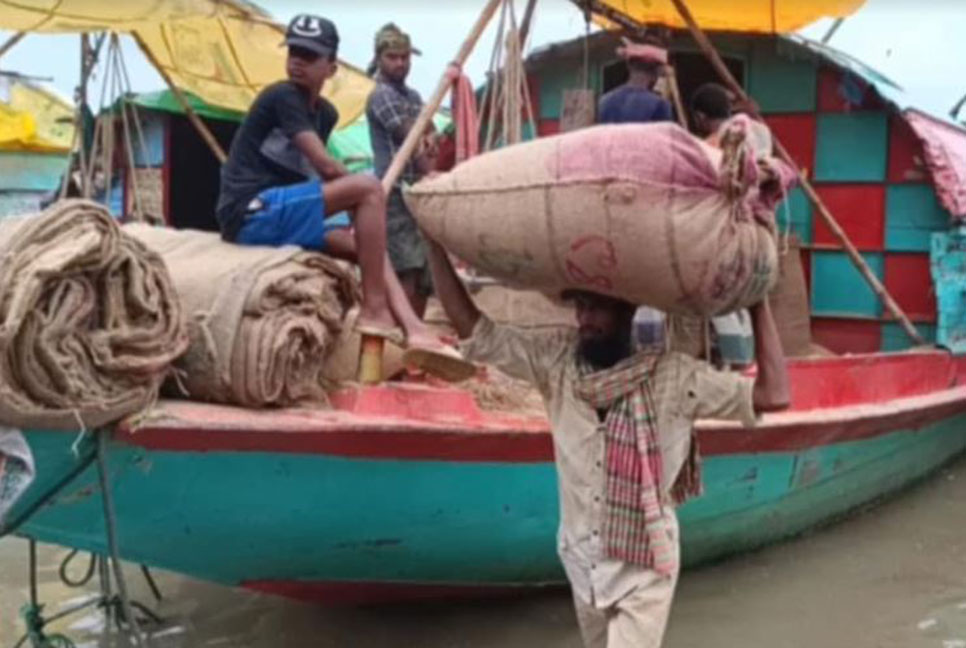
[391,111]
[280,186]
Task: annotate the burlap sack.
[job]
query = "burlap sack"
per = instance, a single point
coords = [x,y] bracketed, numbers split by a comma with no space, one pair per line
[645,212]
[261,320]
[790,304]
[89,320]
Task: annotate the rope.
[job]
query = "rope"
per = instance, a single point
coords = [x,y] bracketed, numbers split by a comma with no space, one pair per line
[112,544]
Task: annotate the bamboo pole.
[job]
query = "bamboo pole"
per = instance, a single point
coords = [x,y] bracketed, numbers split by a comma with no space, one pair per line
[430,108]
[10,42]
[709,50]
[527,21]
[672,83]
[182,100]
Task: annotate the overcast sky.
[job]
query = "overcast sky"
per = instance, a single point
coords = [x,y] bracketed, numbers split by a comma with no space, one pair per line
[920,44]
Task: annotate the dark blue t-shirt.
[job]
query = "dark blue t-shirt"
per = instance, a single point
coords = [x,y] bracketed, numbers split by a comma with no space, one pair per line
[629,104]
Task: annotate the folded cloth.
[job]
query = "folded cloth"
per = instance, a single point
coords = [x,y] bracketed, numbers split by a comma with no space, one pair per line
[89,320]
[16,468]
[261,320]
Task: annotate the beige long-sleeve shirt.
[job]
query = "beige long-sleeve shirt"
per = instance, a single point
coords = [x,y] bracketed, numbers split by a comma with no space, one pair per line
[684,389]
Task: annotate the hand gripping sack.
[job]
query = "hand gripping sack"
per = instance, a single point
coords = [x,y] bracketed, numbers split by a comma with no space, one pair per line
[644,212]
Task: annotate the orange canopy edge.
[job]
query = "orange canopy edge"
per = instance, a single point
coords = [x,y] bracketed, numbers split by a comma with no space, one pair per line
[762,16]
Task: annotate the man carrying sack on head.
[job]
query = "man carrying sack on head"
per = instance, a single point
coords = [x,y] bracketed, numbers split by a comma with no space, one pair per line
[623,444]
[391,111]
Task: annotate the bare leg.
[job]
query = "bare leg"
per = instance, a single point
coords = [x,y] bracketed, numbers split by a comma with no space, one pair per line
[363,196]
[418,334]
[341,244]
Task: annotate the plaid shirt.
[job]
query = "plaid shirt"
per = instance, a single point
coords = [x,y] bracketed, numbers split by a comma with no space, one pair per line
[390,106]
[684,389]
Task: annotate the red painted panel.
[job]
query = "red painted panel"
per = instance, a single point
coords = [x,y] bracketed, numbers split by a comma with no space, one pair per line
[908,279]
[797,133]
[859,209]
[847,335]
[905,153]
[831,98]
[548,127]
[340,593]
[793,433]
[533,85]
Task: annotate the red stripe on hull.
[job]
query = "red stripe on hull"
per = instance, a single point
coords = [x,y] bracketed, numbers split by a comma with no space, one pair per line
[362,593]
[362,441]
[801,431]
[834,400]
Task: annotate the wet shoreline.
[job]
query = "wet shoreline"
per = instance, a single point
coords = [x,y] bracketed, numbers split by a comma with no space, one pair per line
[893,576]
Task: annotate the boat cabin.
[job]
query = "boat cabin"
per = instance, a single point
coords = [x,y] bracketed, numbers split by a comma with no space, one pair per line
[876,164]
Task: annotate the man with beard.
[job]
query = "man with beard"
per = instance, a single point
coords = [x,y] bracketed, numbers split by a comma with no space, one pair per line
[392,110]
[623,444]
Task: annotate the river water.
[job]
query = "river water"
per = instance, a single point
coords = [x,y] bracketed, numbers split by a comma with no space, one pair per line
[893,576]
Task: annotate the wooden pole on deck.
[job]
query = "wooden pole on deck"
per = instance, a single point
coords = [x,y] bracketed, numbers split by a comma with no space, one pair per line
[429,109]
[10,42]
[182,100]
[704,43]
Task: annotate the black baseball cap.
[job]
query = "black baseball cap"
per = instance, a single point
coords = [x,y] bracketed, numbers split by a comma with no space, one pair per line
[313,33]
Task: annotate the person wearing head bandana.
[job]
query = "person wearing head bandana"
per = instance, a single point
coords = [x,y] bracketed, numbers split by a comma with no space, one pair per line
[391,111]
[636,101]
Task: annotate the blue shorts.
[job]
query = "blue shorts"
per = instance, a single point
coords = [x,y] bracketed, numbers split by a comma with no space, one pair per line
[291,215]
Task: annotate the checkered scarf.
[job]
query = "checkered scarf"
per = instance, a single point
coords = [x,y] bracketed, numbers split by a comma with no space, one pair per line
[635,530]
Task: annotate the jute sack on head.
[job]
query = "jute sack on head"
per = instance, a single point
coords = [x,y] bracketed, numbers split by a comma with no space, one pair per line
[644,212]
[262,320]
[89,320]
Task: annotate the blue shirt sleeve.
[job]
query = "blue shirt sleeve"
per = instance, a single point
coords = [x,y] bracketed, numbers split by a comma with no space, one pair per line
[663,112]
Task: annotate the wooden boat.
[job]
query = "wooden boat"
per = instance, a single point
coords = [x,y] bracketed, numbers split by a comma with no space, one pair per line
[407,491]
[404,491]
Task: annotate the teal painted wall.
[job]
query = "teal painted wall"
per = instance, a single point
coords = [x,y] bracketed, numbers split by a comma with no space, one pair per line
[24,171]
[779,83]
[894,338]
[839,289]
[913,213]
[796,212]
[851,147]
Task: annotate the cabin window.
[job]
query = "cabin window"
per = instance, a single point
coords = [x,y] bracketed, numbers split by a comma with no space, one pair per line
[194,173]
[692,69]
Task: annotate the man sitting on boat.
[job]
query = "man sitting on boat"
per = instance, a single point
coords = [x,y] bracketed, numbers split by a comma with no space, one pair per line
[281,187]
[623,444]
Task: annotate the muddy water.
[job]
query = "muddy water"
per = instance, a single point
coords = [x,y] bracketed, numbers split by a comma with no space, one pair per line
[891,577]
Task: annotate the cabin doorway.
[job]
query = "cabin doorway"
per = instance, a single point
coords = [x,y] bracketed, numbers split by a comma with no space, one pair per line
[692,69]
[195,173]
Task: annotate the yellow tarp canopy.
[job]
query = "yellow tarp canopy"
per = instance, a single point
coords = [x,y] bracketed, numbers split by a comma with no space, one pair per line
[770,16]
[224,51]
[32,119]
